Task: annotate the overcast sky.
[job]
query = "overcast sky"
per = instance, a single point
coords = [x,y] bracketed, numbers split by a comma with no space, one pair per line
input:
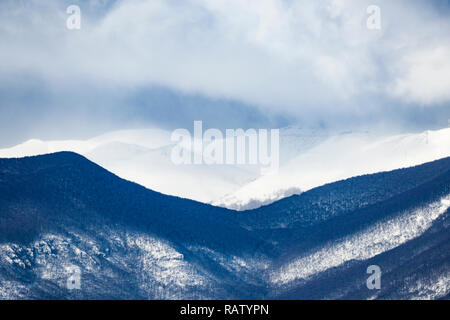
[261,63]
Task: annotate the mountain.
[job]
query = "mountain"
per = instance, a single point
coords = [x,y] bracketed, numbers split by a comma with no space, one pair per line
[325,257]
[338,157]
[309,158]
[144,156]
[61,212]
[61,209]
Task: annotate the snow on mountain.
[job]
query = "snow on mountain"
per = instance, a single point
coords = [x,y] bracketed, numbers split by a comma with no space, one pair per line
[340,157]
[159,264]
[308,158]
[363,245]
[144,157]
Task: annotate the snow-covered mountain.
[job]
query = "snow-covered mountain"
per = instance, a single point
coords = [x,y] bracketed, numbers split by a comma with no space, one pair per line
[308,158]
[62,216]
[339,157]
[144,157]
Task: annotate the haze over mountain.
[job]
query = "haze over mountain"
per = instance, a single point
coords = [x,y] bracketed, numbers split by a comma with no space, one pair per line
[60,211]
[308,158]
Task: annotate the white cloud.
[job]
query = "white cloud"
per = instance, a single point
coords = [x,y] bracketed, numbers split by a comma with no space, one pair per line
[426,76]
[296,56]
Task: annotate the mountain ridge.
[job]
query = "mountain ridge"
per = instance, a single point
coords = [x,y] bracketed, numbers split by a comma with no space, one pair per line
[305,162]
[61,210]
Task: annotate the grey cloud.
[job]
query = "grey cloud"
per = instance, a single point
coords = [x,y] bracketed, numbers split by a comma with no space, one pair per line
[297,60]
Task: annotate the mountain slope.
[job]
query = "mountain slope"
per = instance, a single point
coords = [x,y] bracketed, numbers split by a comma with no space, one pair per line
[85,190]
[308,158]
[66,204]
[61,211]
[338,157]
[343,196]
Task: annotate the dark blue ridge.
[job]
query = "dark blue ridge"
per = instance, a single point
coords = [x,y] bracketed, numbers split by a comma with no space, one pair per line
[66,194]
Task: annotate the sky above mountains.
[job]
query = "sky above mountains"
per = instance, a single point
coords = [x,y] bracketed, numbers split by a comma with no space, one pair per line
[230,63]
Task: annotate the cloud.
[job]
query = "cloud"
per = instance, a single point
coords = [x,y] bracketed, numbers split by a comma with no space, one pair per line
[425,76]
[290,57]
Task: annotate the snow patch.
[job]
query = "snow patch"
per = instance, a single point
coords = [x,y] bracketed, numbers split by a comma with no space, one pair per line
[363,245]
